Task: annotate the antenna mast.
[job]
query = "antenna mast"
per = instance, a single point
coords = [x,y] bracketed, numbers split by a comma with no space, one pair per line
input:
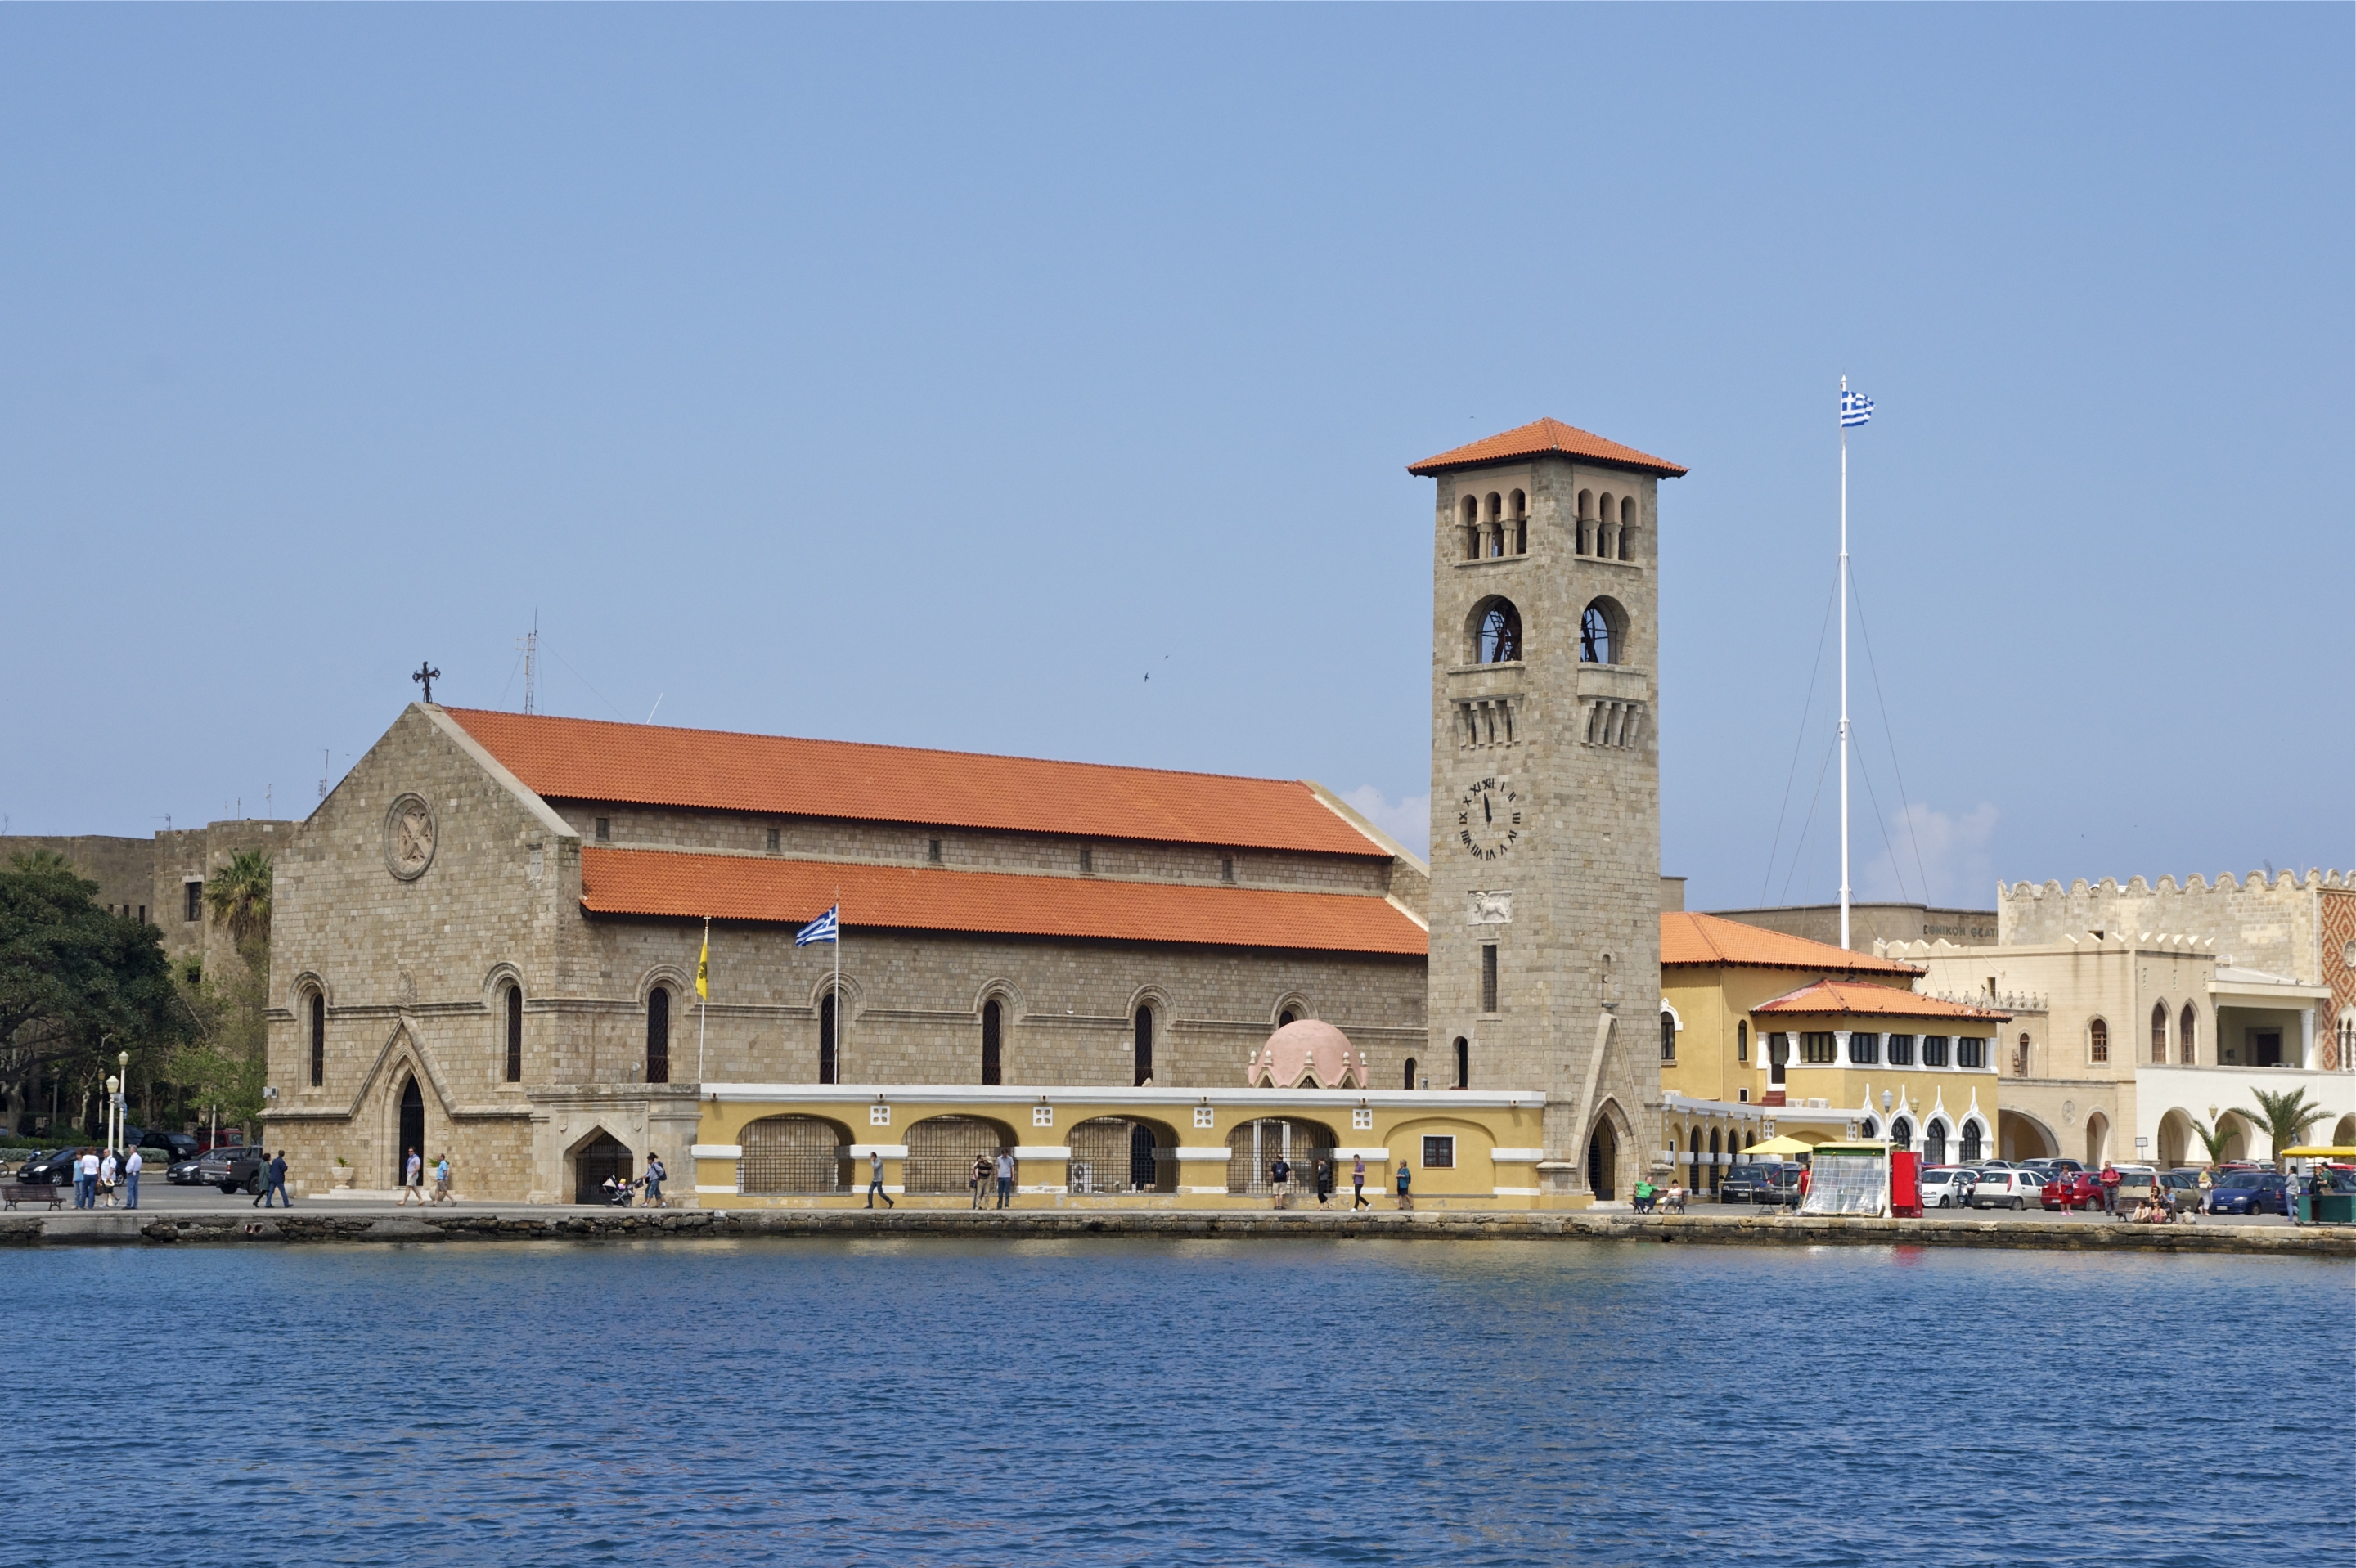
[530,643]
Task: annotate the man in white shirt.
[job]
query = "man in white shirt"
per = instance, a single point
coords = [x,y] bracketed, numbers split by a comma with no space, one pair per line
[106,1179]
[86,1180]
[1005,1180]
[131,1168]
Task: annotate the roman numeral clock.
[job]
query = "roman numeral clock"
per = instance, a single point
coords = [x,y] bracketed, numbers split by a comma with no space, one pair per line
[1488,819]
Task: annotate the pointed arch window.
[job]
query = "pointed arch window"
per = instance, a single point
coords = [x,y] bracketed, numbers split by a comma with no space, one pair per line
[318,1038]
[1971,1143]
[515,1034]
[658,1035]
[2159,1032]
[2188,1029]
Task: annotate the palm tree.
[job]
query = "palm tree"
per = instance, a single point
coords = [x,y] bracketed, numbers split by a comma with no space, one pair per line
[239,895]
[2216,1136]
[2285,1115]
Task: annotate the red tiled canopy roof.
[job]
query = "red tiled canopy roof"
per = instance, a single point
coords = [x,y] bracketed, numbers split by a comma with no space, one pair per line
[662,883]
[641,765]
[1690,938]
[1866,1000]
[1540,437]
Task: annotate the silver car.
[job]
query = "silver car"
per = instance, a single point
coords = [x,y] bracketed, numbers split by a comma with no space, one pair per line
[1939,1184]
[2008,1190]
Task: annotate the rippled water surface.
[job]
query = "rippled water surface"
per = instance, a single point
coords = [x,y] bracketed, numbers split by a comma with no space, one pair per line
[1191,1402]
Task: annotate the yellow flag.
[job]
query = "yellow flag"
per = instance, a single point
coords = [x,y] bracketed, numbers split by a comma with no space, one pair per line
[703,968]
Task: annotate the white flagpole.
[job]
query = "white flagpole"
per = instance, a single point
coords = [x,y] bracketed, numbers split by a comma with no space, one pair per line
[1844,663]
[839,1019]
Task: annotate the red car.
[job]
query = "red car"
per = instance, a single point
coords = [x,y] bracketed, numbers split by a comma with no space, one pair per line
[2074,1190]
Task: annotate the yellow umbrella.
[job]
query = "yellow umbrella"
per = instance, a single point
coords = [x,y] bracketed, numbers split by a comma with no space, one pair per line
[1785,1144]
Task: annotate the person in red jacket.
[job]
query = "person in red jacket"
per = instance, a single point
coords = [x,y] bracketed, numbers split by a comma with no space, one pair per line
[2110,1179]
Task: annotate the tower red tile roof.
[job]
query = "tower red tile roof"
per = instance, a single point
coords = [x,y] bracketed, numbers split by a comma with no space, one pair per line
[662,883]
[1690,938]
[595,760]
[1542,436]
[1827,998]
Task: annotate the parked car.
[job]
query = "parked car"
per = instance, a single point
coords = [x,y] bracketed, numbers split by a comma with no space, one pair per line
[2183,1189]
[2072,1190]
[185,1173]
[1938,1184]
[2249,1192]
[1760,1181]
[54,1168]
[2006,1190]
[154,1143]
[231,1168]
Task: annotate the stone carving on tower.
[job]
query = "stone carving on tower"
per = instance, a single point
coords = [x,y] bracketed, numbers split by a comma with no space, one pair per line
[1546,781]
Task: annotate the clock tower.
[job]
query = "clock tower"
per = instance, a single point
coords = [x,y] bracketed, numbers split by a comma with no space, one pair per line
[1545,801]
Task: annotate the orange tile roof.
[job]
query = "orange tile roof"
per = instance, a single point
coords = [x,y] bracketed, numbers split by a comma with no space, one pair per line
[594,760]
[1690,938]
[1866,1000]
[665,882]
[1539,437]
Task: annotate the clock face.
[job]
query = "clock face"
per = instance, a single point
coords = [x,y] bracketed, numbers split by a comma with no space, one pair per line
[1488,819]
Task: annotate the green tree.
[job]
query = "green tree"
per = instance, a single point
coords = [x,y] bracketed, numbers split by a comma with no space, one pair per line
[2285,1115]
[2214,1135]
[77,982]
[239,896]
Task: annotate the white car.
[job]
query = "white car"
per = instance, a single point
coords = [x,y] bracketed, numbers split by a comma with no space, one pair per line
[1937,1184]
[2008,1190]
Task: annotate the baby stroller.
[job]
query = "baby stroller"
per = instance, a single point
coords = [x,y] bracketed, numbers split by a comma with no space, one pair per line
[616,1193]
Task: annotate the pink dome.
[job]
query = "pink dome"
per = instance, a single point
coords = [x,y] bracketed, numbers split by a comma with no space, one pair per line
[1312,1054]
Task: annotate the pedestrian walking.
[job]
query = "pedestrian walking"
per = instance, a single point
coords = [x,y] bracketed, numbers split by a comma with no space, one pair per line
[1358,1183]
[1006,1178]
[1325,1183]
[131,1168]
[655,1177]
[1405,1200]
[412,1179]
[441,1179]
[86,1180]
[876,1181]
[273,1180]
[1280,1176]
[980,1178]
[106,1174]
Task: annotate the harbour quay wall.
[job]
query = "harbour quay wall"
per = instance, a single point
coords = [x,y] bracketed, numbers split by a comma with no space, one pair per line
[131,1229]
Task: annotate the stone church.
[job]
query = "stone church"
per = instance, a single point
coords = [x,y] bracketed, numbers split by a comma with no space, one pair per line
[487,937]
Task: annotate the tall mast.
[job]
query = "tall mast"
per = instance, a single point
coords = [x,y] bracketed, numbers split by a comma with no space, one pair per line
[1844,666]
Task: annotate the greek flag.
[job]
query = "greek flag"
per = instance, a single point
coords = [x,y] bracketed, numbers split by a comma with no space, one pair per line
[822,929]
[1855,409]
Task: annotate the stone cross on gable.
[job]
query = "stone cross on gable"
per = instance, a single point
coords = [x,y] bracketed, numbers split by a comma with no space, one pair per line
[427,674]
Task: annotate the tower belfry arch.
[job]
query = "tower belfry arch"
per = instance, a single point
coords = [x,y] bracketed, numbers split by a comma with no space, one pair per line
[1545,830]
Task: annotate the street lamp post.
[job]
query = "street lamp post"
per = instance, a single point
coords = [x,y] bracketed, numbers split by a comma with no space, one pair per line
[122,1097]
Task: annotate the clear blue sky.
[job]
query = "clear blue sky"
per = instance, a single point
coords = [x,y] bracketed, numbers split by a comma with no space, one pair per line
[933,376]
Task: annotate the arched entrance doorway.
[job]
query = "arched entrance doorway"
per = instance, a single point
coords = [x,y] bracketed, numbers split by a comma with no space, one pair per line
[413,1130]
[598,1159]
[2098,1133]
[1603,1162]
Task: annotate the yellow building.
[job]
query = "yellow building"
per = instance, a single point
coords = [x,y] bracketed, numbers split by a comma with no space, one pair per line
[765,1146]
[1777,1033]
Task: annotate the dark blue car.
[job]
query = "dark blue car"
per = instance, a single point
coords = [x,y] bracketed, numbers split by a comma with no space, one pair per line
[2249,1192]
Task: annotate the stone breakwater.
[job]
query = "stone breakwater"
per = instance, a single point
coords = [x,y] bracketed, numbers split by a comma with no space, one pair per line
[122,1229]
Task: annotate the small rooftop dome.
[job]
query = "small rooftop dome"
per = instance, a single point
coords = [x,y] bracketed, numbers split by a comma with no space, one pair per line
[1310,1054]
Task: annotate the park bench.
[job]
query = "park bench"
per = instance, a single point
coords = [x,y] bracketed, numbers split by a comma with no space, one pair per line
[18,1192]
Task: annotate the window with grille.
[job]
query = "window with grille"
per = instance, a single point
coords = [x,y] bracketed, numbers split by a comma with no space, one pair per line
[1113,1154]
[1438,1152]
[1971,1143]
[1935,1050]
[1254,1148]
[1971,1050]
[1489,977]
[2098,1041]
[793,1155]
[1901,1047]
[1817,1050]
[942,1149]
[1864,1050]
[658,1035]
[196,891]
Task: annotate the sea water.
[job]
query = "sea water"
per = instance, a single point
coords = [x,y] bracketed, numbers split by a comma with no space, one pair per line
[1184,1402]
